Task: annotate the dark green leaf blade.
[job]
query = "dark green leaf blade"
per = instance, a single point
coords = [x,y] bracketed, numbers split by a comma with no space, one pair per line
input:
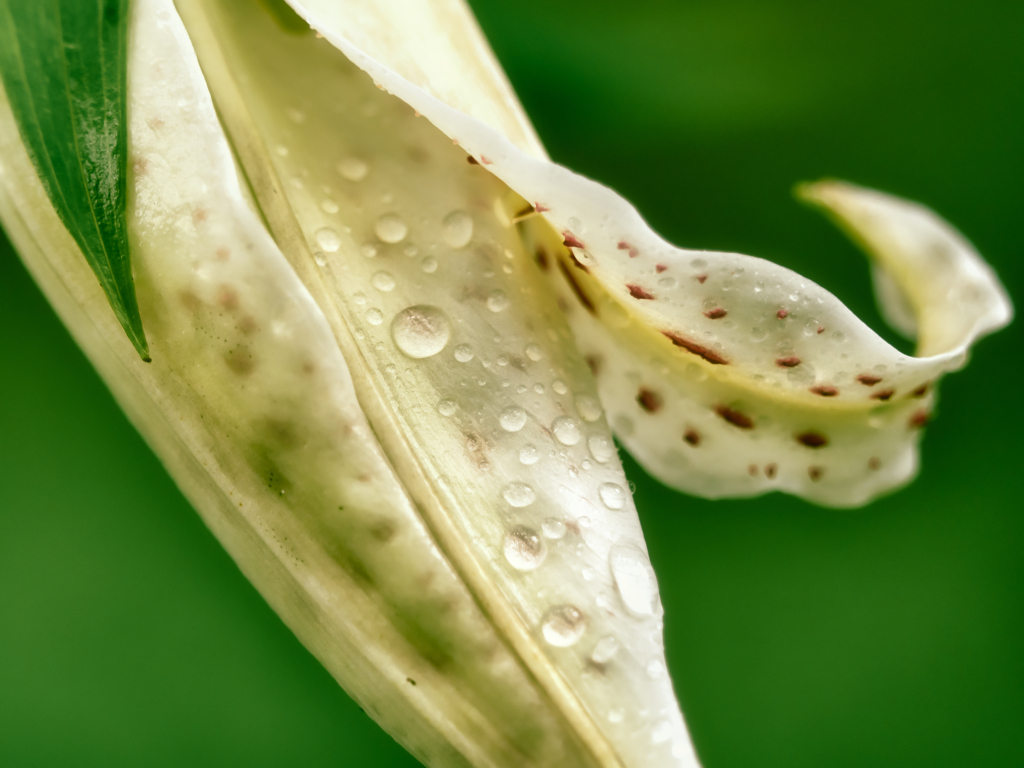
[64,68]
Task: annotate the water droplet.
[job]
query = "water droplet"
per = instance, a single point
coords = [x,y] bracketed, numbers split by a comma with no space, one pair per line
[281,150]
[457,229]
[563,625]
[320,258]
[566,430]
[553,529]
[667,282]
[519,494]
[390,228]
[374,316]
[463,353]
[524,549]
[353,169]
[297,116]
[534,352]
[634,578]
[613,495]
[447,407]
[513,419]
[528,455]
[588,407]
[698,263]
[616,715]
[497,301]
[662,732]
[605,649]
[758,334]
[538,388]
[559,386]
[420,331]
[429,265]
[328,206]
[383,281]
[328,239]
[359,298]
[601,448]
[655,669]
[369,250]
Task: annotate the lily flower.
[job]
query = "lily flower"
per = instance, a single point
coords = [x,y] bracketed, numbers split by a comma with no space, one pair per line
[389,342]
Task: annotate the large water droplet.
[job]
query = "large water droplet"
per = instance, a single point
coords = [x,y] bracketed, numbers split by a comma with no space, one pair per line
[374,316]
[529,454]
[662,732]
[328,206]
[513,419]
[553,528]
[353,169]
[420,331]
[328,239]
[524,549]
[497,301]
[429,265]
[613,495]
[463,353]
[563,625]
[588,407]
[566,431]
[534,352]
[383,281]
[390,228]
[519,494]
[457,229]
[601,448]
[605,649]
[634,578]
[447,407]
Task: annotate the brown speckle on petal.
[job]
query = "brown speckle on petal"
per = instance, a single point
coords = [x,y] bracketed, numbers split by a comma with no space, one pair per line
[815,473]
[919,419]
[472,160]
[715,314]
[920,391]
[874,463]
[812,439]
[540,207]
[734,417]
[692,437]
[624,246]
[883,394]
[594,363]
[541,257]
[700,278]
[710,355]
[637,292]
[571,241]
[659,268]
[868,380]
[788,362]
[782,314]
[825,390]
[571,279]
[752,470]
[821,329]
[649,400]
[770,470]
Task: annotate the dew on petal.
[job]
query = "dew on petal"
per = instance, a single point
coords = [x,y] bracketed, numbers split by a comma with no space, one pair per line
[563,625]
[447,407]
[613,495]
[390,228]
[463,353]
[553,528]
[374,316]
[383,281]
[605,649]
[457,229]
[566,431]
[519,494]
[512,419]
[328,239]
[529,455]
[601,448]
[353,169]
[524,549]
[588,407]
[634,578]
[497,301]
[420,331]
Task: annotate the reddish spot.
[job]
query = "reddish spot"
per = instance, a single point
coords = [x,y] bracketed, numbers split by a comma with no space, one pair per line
[825,390]
[594,363]
[701,278]
[883,394]
[155,123]
[868,380]
[788,362]
[782,314]
[736,418]
[649,400]
[752,470]
[571,279]
[228,299]
[472,160]
[692,437]
[659,268]
[770,470]
[540,207]
[223,254]
[140,165]
[486,160]
[815,473]
[874,463]
[919,419]
[920,391]
[199,213]
[812,439]
[624,246]
[708,354]
[637,292]
[715,314]
[247,325]
[541,257]
[821,329]
[571,241]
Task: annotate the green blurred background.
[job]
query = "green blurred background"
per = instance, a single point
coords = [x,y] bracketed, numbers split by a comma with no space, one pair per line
[797,637]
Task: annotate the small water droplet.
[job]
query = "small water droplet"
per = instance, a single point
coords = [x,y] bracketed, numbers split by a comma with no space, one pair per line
[457,229]
[297,116]
[605,649]
[553,528]
[662,732]
[390,228]
[634,578]
[588,407]
[616,715]
[463,353]
[328,239]
[613,495]
[369,250]
[447,407]
[497,301]
[374,316]
[655,669]
[524,549]
[383,281]
[601,448]
[359,298]
[559,386]
[328,206]
[538,388]
[320,258]
[528,455]
[353,169]
[429,265]
[281,150]
[420,331]
[563,625]
[534,352]
[758,334]
[513,419]
[519,494]
[566,431]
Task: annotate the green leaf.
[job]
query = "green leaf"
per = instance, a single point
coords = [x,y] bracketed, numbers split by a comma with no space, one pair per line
[63,64]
